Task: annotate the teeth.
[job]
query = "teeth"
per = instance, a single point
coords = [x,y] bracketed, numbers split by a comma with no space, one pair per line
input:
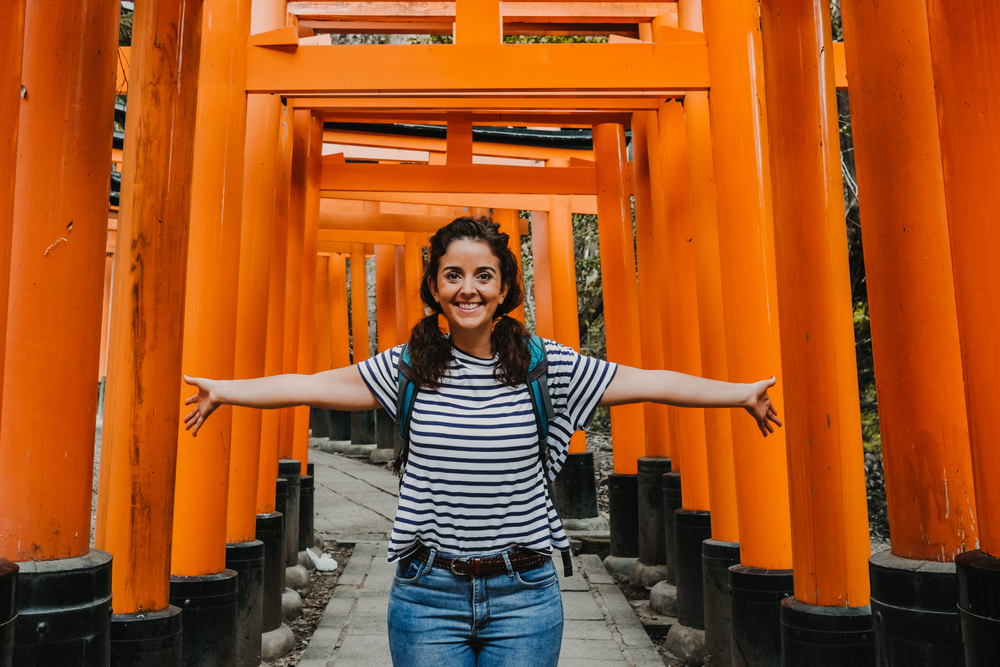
[468,306]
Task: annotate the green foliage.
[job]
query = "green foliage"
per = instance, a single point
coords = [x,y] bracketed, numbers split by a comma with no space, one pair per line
[125,27]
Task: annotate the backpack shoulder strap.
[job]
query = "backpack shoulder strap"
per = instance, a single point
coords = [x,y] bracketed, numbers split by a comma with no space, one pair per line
[404,407]
[538,390]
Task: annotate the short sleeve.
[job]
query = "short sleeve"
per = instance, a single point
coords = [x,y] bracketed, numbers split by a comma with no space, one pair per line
[576,385]
[381,374]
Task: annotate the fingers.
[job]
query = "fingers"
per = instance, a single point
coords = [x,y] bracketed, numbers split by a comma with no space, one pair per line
[191,399]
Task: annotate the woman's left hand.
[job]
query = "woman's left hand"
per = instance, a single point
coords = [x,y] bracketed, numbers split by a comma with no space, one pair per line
[760,408]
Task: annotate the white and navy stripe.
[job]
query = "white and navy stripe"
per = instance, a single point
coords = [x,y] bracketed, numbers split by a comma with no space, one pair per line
[474,481]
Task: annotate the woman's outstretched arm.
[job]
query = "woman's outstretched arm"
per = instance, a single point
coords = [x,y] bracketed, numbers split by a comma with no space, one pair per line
[339,389]
[634,385]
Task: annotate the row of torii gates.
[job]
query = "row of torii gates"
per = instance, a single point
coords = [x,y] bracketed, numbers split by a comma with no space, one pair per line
[227,199]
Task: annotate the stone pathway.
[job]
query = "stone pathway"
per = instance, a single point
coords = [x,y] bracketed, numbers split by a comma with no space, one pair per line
[355,503]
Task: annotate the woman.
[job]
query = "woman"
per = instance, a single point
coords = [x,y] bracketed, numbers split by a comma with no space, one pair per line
[475,583]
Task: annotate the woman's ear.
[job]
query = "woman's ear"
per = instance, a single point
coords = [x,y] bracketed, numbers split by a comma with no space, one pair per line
[432,286]
[503,292]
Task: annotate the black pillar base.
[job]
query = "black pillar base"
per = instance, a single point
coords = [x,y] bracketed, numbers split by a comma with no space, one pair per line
[362,427]
[915,606]
[209,606]
[384,429]
[340,425]
[979,607]
[247,560]
[691,527]
[307,494]
[623,510]
[652,538]
[575,487]
[671,503]
[64,612]
[756,596]
[716,559]
[147,639]
[271,531]
[8,610]
[319,422]
[291,471]
[814,636]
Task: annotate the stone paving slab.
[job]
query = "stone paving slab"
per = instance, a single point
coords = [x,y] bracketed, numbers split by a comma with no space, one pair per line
[354,505]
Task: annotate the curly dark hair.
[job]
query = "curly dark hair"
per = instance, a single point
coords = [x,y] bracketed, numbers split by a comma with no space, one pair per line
[430,350]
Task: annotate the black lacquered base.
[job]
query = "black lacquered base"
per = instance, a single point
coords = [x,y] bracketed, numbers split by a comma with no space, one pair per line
[671,482]
[147,639]
[340,425]
[291,471]
[271,531]
[623,510]
[716,559]
[575,488]
[915,607]
[64,612]
[979,607]
[691,528]
[307,494]
[247,560]
[209,606]
[362,427]
[755,599]
[813,636]
[652,536]
[8,610]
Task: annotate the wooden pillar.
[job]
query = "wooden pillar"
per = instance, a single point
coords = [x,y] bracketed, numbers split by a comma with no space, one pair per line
[652,268]
[830,542]
[59,238]
[359,304]
[542,272]
[109,260]
[274,356]
[307,312]
[341,349]
[142,402]
[478,22]
[323,337]
[908,270]
[402,302]
[459,143]
[562,264]
[385,296]
[414,269]
[263,120]
[510,225]
[621,310]
[746,244]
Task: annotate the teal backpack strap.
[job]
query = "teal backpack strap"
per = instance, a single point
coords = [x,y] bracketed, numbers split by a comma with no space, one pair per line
[404,408]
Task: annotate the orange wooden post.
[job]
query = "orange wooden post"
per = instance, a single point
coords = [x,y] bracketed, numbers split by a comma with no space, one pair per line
[414,271]
[962,41]
[746,245]
[142,401]
[542,272]
[385,296]
[324,342]
[649,250]
[109,260]
[307,326]
[341,350]
[510,225]
[274,360]
[361,344]
[909,273]
[562,263]
[459,143]
[478,22]
[402,302]
[830,542]
[621,310]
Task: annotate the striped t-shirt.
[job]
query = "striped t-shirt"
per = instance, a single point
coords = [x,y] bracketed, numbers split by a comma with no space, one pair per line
[474,482]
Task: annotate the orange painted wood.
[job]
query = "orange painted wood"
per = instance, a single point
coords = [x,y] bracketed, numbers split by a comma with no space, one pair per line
[344,248]
[746,244]
[519,12]
[839,66]
[57,247]
[362,224]
[651,271]
[504,118]
[480,178]
[11,42]
[542,275]
[509,224]
[413,263]
[621,308]
[478,22]
[323,337]
[677,65]
[577,104]
[827,493]
[439,145]
[687,426]
[141,509]
[109,260]
[364,236]
[459,143]
[360,344]
[402,318]
[711,317]
[274,355]
[385,296]
[341,350]
[586,204]
[963,46]
[909,273]
[121,78]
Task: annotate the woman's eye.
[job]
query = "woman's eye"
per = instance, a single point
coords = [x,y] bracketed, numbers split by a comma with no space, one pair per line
[452,276]
[485,277]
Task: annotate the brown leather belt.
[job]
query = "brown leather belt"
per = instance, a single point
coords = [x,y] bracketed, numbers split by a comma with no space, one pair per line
[521,560]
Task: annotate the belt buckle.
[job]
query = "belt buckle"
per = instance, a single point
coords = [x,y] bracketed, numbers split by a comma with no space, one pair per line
[452,566]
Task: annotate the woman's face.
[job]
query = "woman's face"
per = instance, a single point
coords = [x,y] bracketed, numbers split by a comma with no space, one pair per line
[468,285]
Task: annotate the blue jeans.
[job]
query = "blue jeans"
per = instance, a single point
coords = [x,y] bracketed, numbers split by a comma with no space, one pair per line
[508,619]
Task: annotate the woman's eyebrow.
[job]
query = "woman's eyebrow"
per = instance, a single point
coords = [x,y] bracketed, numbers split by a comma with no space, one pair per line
[486,268]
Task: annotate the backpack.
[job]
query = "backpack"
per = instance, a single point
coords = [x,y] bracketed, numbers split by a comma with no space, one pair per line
[541,405]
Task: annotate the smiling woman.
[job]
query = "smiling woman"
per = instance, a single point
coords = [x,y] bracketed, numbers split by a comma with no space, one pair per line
[476,526]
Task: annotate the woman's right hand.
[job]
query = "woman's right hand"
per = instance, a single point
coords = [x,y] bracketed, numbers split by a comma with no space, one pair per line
[205,402]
